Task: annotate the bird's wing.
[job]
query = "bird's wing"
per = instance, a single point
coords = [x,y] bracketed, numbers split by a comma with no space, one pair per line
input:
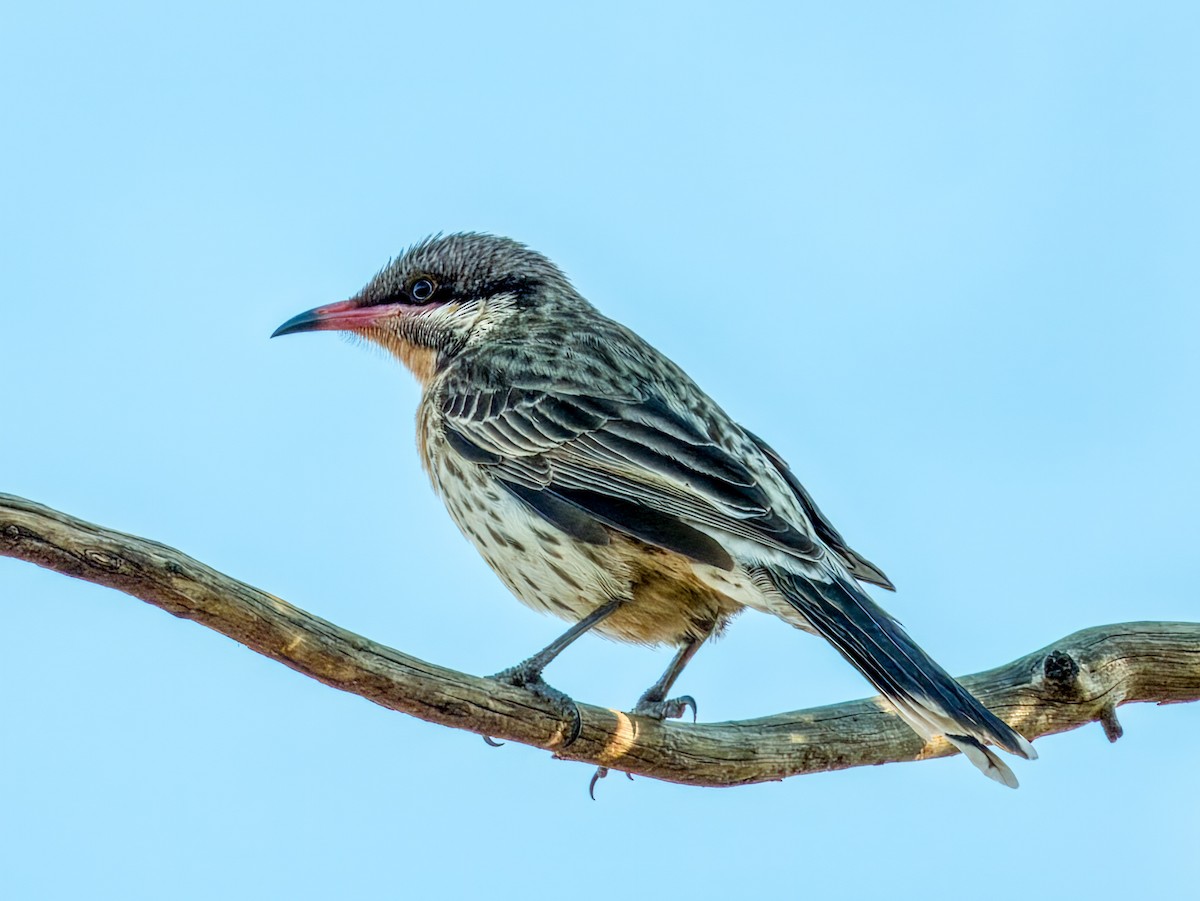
[857,565]
[634,464]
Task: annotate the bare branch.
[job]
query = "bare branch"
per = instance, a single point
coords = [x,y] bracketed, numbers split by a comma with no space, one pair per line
[1080,679]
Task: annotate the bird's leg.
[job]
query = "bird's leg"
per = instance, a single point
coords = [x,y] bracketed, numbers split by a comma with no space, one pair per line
[653,702]
[528,673]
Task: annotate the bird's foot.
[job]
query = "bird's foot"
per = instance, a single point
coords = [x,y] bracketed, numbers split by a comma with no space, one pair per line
[655,709]
[529,677]
[672,709]
[601,772]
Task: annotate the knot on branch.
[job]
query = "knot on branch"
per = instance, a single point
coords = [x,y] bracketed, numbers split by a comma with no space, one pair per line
[1061,673]
[103,560]
[1066,680]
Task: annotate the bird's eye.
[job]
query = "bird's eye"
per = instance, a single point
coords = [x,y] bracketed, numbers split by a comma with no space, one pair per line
[422,289]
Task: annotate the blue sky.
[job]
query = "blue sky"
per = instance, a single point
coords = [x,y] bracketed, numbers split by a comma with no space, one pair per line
[943,258]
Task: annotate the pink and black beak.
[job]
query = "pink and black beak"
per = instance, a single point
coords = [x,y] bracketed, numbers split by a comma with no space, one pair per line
[348,315]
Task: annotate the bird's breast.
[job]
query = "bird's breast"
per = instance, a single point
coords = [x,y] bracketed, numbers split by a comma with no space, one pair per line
[541,565]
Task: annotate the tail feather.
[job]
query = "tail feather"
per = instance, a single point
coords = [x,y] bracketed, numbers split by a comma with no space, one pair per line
[985,758]
[925,695]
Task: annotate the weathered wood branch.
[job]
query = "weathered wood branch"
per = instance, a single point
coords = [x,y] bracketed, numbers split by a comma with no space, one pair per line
[1077,680]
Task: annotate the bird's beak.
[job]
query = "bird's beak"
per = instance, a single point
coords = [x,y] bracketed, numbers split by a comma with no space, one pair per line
[344,316]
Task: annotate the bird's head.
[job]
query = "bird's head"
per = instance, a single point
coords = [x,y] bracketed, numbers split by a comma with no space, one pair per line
[441,295]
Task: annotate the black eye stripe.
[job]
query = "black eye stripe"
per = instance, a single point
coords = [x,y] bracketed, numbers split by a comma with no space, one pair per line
[523,289]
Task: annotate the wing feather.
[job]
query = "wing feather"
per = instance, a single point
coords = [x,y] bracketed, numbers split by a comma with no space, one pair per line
[635,465]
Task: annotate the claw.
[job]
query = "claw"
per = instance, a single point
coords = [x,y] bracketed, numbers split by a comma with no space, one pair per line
[576,725]
[601,772]
[664,710]
[491,741]
[688,701]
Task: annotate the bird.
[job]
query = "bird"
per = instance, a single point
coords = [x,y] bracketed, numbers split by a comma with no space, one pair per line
[604,487]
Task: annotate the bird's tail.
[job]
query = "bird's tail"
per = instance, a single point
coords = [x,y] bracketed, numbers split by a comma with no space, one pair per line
[925,695]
